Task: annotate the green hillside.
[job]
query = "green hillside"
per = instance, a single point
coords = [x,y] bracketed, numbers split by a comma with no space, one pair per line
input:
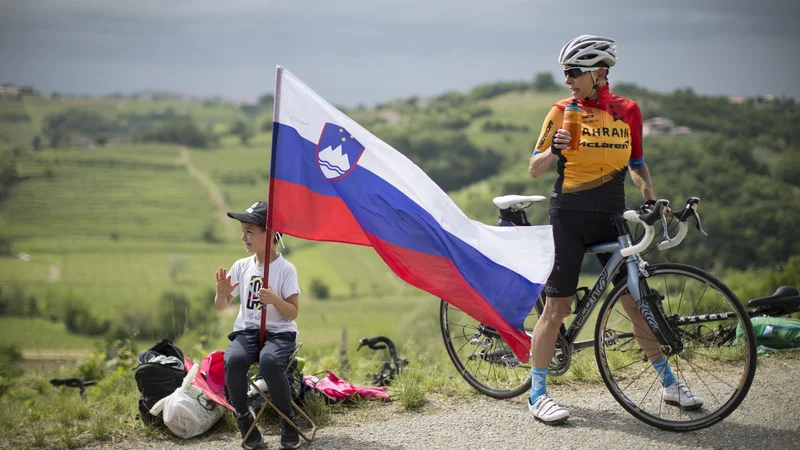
[108,208]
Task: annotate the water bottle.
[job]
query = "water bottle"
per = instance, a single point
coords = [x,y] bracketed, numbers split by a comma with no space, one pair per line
[573,116]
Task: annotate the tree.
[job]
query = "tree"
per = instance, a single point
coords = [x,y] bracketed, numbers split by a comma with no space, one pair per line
[5,246]
[266,100]
[181,131]
[79,319]
[9,171]
[319,289]
[59,126]
[543,82]
[241,129]
[210,233]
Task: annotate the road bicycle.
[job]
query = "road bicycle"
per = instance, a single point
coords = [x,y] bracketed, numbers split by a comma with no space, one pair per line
[691,317]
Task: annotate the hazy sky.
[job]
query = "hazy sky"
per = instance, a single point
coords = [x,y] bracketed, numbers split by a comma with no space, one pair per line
[367,51]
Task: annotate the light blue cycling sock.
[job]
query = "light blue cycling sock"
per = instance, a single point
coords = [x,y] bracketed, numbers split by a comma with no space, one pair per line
[664,372]
[538,383]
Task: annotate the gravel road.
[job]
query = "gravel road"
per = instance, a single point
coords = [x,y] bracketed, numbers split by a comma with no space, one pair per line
[768,418]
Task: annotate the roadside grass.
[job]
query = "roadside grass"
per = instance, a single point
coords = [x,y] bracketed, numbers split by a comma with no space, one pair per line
[34,414]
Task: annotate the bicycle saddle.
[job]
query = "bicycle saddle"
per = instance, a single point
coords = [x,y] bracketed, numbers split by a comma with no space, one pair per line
[786,298]
[507,201]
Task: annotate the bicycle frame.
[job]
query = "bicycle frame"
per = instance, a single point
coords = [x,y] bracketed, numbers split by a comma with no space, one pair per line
[668,337]
[589,301]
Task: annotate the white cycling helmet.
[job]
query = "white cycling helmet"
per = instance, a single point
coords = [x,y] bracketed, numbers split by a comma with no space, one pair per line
[589,51]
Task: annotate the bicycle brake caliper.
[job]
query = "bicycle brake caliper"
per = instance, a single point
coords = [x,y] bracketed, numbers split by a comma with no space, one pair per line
[643,268]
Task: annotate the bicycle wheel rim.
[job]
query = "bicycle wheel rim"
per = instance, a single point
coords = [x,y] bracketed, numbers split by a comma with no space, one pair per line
[720,373]
[482,358]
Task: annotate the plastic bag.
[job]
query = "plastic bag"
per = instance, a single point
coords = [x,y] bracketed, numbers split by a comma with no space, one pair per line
[187,411]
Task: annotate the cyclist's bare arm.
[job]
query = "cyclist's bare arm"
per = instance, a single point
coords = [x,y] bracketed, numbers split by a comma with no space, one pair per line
[540,162]
[641,178]
[543,158]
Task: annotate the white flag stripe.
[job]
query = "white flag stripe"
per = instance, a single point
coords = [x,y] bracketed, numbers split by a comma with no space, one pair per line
[529,251]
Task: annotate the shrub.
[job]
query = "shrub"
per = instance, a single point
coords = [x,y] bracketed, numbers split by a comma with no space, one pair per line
[411,388]
[10,357]
[202,313]
[93,367]
[5,246]
[79,319]
[181,131]
[135,322]
[319,289]
[178,265]
[210,234]
[14,302]
[174,310]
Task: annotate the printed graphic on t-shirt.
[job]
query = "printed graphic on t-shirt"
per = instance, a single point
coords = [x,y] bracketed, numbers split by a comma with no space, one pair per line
[253,303]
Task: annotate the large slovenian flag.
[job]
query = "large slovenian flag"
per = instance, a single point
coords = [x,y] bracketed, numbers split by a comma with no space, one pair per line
[331,180]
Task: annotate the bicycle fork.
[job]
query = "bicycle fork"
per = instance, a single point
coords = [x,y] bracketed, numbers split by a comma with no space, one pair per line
[649,303]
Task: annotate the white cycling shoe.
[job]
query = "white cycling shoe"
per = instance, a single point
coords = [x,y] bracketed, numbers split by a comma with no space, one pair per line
[547,410]
[678,394]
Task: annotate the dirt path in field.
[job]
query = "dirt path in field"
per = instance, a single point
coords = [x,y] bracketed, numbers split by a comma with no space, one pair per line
[213,190]
[766,419]
[41,360]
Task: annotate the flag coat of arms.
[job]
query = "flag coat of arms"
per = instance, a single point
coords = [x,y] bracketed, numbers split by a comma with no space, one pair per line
[331,180]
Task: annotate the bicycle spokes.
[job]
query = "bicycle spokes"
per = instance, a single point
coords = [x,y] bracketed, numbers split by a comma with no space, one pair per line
[481,356]
[713,361]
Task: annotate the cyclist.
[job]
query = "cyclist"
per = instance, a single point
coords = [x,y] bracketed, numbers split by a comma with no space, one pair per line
[589,190]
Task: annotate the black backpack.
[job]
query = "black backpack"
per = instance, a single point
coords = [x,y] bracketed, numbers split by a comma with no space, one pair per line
[156,378]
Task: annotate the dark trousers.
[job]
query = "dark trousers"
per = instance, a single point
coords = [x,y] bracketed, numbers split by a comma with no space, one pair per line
[272,360]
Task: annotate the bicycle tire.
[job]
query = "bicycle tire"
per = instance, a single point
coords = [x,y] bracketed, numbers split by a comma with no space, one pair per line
[469,364]
[693,419]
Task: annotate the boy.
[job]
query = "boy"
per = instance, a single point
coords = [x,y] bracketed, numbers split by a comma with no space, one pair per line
[280,297]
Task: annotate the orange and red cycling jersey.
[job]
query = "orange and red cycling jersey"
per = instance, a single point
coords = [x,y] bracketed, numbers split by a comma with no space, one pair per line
[592,178]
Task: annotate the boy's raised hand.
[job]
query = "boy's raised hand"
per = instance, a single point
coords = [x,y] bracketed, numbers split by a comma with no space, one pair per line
[224,286]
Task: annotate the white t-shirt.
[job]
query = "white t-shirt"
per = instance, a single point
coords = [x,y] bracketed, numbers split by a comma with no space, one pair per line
[282,278]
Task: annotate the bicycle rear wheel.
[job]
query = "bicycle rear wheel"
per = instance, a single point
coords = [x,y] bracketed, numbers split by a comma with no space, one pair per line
[481,356]
[717,362]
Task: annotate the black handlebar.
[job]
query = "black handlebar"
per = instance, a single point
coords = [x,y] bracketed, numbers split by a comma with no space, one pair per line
[387,371]
[75,383]
[689,211]
[683,214]
[653,216]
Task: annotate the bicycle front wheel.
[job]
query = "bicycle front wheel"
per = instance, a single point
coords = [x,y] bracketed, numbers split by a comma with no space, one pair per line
[481,356]
[717,362]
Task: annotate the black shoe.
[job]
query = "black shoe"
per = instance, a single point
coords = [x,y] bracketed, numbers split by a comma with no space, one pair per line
[244,422]
[289,437]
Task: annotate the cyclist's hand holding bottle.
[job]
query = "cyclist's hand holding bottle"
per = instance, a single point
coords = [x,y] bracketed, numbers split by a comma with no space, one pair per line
[568,137]
[560,142]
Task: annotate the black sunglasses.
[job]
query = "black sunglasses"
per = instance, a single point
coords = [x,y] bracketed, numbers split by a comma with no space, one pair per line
[575,72]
